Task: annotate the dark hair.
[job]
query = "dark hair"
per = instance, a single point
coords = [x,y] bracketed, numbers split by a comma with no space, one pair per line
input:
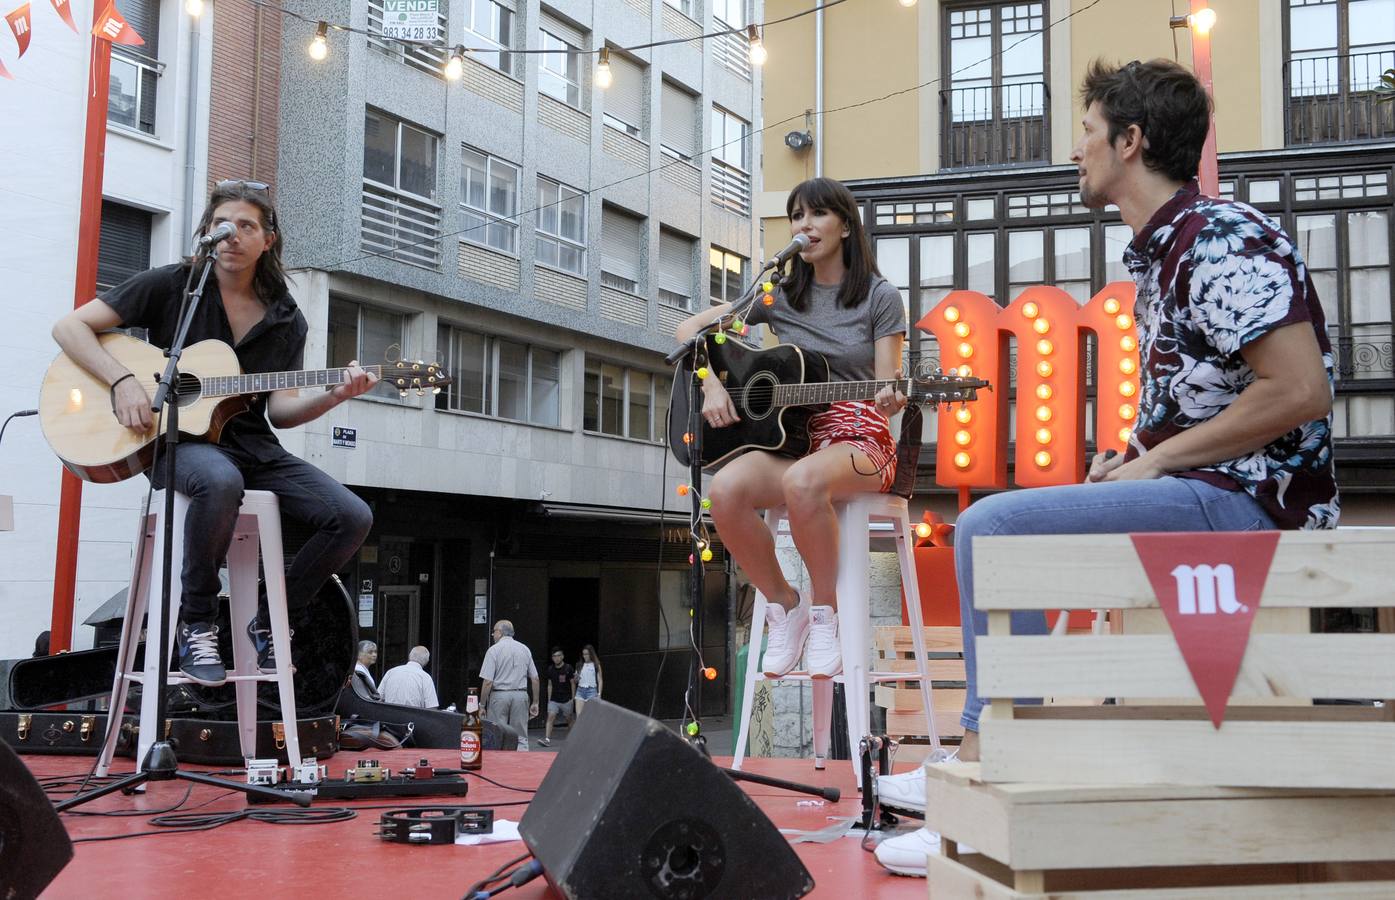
[1165,101]
[581,660]
[555,650]
[270,277]
[41,644]
[825,193]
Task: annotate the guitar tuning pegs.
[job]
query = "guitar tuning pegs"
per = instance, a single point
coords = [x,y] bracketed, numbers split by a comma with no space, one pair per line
[402,393]
[436,390]
[416,366]
[421,392]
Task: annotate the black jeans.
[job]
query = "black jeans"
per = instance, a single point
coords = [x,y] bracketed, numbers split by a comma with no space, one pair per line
[213,477]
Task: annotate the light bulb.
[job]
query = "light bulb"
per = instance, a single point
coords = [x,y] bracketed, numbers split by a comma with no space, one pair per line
[603,76]
[1123,321]
[962,460]
[319,46]
[1127,366]
[923,530]
[456,64]
[962,438]
[951,314]
[1126,412]
[1045,347]
[963,416]
[1044,369]
[758,54]
[966,350]
[1043,414]
[1043,436]
[194,7]
[1042,459]
[962,329]
[908,3]
[1041,326]
[1203,20]
[1128,343]
[1043,392]
[1127,388]
[1125,434]
[1111,306]
[1030,310]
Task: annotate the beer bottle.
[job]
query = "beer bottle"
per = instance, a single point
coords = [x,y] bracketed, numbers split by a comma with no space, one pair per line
[472,734]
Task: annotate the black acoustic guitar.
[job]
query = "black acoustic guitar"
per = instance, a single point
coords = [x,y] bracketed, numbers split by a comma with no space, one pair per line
[776,391]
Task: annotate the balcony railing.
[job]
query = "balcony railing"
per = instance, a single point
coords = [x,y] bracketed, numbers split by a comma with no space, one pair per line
[1332,99]
[995,125]
[733,52]
[401,226]
[429,57]
[731,188]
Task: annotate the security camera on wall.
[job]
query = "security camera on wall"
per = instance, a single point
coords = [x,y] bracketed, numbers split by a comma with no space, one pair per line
[799,140]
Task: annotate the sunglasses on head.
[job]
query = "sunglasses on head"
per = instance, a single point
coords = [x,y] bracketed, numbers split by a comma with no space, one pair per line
[231,183]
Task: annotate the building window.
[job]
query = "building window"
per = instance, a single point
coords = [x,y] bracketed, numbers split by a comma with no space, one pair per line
[625,402]
[561,226]
[489,30]
[731,48]
[728,274]
[625,99]
[488,200]
[135,71]
[1337,50]
[559,65]
[371,335]
[124,247]
[995,111]
[676,252]
[683,6]
[499,377]
[400,217]
[678,123]
[622,247]
[399,155]
[729,13]
[731,160]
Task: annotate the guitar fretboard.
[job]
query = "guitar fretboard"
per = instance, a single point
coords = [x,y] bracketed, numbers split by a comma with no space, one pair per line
[818,393]
[259,382]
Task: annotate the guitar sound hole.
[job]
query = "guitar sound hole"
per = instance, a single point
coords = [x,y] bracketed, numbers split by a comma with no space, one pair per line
[190,389]
[758,397]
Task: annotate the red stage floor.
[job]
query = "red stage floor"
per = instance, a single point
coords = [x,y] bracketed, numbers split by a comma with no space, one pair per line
[247,858]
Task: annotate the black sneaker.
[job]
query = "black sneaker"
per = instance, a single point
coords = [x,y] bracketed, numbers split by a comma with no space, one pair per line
[197,646]
[259,632]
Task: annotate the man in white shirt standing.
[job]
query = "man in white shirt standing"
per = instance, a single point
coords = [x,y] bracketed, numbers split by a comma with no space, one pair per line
[507,667]
[408,684]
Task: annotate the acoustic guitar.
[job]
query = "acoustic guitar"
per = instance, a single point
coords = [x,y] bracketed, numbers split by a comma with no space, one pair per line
[776,391]
[78,421]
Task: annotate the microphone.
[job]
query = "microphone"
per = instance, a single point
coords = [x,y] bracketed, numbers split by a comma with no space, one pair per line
[796,246]
[218,235]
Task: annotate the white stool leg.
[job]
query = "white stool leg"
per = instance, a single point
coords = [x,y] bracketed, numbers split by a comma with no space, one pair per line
[853,610]
[911,588]
[157,651]
[137,597]
[273,556]
[242,606]
[753,667]
[823,719]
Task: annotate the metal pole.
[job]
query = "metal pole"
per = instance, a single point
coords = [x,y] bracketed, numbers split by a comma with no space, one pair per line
[1209,174]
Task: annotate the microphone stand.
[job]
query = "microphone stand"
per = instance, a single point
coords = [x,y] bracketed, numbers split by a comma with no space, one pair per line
[160,763]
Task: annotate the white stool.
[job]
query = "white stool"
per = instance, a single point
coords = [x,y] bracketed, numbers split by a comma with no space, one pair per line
[256,534]
[855,516]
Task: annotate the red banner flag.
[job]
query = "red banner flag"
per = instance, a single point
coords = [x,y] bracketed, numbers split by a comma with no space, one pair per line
[64,13]
[112,27]
[20,24]
[1208,585]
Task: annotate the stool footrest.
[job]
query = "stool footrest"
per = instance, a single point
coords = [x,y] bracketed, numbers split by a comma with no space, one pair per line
[173,678]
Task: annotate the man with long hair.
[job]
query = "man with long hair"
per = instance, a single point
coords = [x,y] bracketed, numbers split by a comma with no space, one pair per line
[247,305]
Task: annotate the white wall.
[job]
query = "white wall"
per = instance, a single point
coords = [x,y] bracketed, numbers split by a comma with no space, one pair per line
[41,158]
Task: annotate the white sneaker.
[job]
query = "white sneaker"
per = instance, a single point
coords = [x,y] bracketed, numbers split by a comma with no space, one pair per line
[825,651]
[907,854]
[904,792]
[789,631]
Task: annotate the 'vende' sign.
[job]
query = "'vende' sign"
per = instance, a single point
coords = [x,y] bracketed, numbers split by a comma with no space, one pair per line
[1208,585]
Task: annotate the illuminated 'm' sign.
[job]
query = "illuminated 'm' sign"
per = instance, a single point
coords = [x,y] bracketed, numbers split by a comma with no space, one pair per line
[1050,329]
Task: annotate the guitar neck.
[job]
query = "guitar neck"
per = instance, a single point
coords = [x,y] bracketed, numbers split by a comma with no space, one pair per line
[261,382]
[820,393]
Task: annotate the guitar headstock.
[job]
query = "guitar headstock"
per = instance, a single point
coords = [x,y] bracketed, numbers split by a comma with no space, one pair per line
[406,375]
[936,389]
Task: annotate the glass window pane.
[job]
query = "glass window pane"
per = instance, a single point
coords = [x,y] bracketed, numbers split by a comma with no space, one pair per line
[663,387]
[1370,296]
[591,401]
[342,332]
[1265,191]
[1325,283]
[545,405]
[894,259]
[1116,240]
[123,90]
[1317,241]
[471,384]
[1369,235]
[380,149]
[641,388]
[979,208]
[503,189]
[513,380]
[418,172]
[1026,264]
[981,252]
[1072,251]
[380,340]
[612,399]
[1313,27]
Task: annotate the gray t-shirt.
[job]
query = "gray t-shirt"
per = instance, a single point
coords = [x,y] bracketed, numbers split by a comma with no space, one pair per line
[845,337]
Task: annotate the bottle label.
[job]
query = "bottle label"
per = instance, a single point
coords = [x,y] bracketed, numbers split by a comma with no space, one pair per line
[469,747]
[472,703]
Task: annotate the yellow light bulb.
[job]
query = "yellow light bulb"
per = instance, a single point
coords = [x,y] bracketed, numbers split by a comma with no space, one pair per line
[455,67]
[1042,459]
[1111,306]
[1125,434]
[962,329]
[908,3]
[702,372]
[319,46]
[1043,435]
[962,438]
[604,78]
[1127,412]
[922,530]
[962,460]
[965,349]
[1043,414]
[1127,366]
[1030,310]
[1128,343]
[1041,326]
[1124,322]
[963,416]
[1044,369]
[1045,347]
[707,556]
[965,371]
[1203,20]
[1127,388]
[194,7]
[951,314]
[1044,392]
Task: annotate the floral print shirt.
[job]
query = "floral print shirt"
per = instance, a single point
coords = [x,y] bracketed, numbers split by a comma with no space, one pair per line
[1212,277]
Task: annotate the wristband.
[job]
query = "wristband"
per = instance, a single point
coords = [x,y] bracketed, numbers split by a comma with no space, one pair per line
[118,381]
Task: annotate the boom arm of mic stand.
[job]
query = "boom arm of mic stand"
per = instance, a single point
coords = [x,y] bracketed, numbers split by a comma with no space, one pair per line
[831,794]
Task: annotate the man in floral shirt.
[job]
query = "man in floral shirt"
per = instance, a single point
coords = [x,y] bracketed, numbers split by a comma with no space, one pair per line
[1234,428]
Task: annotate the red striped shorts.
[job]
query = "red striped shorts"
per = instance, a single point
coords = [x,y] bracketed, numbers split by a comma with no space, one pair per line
[858,423]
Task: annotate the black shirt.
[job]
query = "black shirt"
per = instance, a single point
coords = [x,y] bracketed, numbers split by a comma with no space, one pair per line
[560,677]
[151,300]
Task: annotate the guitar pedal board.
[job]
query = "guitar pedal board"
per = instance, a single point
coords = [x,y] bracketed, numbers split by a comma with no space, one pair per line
[369,779]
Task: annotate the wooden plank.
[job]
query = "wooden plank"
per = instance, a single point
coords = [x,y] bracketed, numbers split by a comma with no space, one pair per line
[1102,571]
[900,724]
[940,669]
[897,638]
[908,699]
[1261,754]
[1143,666]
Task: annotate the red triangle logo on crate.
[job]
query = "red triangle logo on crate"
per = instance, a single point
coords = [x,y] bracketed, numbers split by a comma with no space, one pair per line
[1208,585]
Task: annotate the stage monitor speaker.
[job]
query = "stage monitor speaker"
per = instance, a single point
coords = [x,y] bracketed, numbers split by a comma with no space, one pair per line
[34,847]
[629,809]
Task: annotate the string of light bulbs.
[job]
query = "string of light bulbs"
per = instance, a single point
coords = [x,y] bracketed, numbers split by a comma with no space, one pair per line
[708,151]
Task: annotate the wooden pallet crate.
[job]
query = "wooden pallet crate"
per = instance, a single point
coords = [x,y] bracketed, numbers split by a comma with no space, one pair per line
[1151,741]
[1094,842]
[901,699]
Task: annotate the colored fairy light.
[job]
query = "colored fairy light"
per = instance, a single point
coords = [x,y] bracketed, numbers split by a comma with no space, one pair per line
[1043,435]
[692,729]
[687,437]
[1042,459]
[702,372]
[962,329]
[962,460]
[952,314]
[1043,392]
[691,559]
[720,337]
[706,503]
[1030,310]
[1044,369]
[768,286]
[683,490]
[738,325]
[707,555]
[710,673]
[923,530]
[768,299]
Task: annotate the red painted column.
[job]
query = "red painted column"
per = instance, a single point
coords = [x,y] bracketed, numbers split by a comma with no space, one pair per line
[85,288]
[1209,174]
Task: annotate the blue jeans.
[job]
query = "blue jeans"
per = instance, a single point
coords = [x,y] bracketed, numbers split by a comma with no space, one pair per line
[213,478]
[1113,507]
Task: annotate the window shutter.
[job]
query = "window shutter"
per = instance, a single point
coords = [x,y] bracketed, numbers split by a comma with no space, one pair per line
[625,98]
[620,244]
[675,263]
[567,32]
[144,17]
[679,126]
[123,249]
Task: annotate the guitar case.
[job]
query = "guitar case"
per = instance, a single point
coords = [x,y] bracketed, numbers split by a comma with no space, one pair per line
[432,728]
